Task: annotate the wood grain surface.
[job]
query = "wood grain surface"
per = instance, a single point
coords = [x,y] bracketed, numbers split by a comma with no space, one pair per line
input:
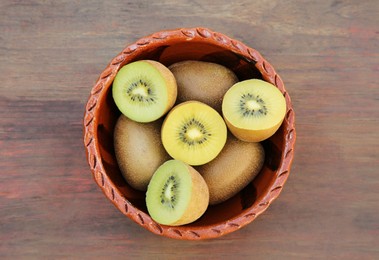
[51,53]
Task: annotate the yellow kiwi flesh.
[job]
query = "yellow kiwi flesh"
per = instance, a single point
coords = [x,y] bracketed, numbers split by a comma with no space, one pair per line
[203,81]
[193,132]
[139,150]
[234,168]
[253,110]
[177,194]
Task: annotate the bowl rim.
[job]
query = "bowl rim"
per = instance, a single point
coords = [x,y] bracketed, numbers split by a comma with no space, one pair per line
[91,115]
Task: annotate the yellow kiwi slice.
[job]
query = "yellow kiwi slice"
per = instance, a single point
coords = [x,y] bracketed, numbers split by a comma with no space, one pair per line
[144,90]
[139,150]
[202,81]
[233,169]
[253,109]
[177,194]
[193,132]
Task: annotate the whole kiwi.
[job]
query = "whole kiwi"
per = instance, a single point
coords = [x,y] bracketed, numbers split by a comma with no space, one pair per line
[233,169]
[202,81]
[139,150]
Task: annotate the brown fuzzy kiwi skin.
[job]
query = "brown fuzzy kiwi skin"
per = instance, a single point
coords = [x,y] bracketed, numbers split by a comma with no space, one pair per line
[233,169]
[139,150]
[202,81]
[199,201]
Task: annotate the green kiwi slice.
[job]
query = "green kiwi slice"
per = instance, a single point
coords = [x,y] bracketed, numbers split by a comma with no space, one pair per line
[177,194]
[144,90]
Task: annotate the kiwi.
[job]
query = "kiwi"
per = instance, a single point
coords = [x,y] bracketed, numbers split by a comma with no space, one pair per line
[177,194]
[234,168]
[139,150]
[144,90]
[202,81]
[253,109]
[194,133]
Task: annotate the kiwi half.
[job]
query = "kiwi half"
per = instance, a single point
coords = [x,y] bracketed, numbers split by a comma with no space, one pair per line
[194,133]
[177,194]
[144,90]
[234,168]
[253,109]
[203,81]
[139,150]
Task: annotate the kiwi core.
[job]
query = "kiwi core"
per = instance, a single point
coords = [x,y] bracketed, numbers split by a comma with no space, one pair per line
[193,132]
[140,91]
[168,197]
[251,105]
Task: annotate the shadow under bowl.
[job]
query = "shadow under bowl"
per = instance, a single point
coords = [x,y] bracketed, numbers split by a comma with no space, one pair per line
[169,47]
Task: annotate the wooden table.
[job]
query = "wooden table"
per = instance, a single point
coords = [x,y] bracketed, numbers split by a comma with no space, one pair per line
[51,53]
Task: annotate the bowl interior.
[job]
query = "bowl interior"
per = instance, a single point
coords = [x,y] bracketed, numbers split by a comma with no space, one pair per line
[168,54]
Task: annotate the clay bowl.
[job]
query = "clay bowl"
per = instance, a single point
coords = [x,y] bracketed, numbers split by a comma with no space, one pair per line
[169,47]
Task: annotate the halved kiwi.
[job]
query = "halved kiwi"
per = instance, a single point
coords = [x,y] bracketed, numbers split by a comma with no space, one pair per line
[234,168]
[139,150]
[253,109]
[193,132]
[144,90]
[203,81]
[177,194]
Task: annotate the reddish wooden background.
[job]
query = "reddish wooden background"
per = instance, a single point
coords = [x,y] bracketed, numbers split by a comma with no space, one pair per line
[51,53]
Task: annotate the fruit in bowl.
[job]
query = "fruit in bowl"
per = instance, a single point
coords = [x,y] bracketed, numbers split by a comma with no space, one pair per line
[169,48]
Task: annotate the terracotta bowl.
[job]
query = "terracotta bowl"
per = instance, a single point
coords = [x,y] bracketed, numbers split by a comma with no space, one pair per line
[169,47]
